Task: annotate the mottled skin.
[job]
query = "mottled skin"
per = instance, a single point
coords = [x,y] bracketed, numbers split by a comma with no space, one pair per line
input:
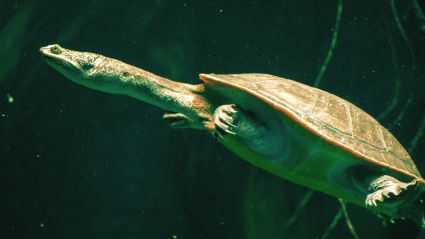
[196,107]
[112,76]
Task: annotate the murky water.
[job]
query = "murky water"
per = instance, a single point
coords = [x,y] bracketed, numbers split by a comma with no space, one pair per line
[77,163]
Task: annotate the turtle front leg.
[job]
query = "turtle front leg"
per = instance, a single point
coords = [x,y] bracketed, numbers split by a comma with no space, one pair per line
[232,119]
[386,188]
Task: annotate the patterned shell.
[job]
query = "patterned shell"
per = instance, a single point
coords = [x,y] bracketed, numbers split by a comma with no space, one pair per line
[328,116]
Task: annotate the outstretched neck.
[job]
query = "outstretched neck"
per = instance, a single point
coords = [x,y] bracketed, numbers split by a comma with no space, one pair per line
[166,94]
[117,77]
[113,76]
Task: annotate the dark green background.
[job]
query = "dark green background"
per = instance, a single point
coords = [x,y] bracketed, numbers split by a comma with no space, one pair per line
[76,163]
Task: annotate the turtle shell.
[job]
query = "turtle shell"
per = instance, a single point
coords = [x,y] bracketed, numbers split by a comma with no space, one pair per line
[327,116]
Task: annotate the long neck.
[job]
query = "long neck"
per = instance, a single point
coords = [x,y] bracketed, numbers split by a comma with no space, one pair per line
[117,77]
[170,95]
[164,93]
[113,76]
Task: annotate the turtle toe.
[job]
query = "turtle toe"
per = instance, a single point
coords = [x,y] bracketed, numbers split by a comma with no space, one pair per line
[176,120]
[373,199]
[389,193]
[226,118]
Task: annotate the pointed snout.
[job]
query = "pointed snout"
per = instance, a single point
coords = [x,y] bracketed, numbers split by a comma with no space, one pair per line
[51,50]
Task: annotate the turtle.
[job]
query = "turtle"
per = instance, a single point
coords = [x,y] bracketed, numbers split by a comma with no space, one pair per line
[297,132]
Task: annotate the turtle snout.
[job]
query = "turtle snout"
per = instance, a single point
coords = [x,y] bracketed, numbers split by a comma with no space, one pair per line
[50,50]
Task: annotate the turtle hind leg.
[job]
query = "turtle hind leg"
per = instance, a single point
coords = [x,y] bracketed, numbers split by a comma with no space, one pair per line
[385,189]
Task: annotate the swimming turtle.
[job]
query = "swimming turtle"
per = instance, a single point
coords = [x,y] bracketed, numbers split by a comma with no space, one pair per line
[295,131]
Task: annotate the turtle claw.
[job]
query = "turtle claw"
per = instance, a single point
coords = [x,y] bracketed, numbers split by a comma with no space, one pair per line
[381,196]
[176,120]
[226,118]
[230,109]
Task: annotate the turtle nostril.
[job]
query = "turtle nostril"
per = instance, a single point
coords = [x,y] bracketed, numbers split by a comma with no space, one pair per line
[55,50]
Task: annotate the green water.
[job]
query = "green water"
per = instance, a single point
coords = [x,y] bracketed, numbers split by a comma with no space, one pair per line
[76,163]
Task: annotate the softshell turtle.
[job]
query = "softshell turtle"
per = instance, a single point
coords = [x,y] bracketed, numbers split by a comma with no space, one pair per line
[297,132]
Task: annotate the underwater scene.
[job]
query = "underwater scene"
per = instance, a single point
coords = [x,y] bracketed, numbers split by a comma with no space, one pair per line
[176,119]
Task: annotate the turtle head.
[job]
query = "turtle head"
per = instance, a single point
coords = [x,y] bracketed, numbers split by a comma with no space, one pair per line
[72,64]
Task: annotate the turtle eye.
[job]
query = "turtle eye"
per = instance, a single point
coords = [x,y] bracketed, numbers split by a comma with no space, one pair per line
[55,50]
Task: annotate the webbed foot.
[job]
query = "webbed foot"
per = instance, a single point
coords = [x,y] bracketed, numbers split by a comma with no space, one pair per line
[387,188]
[226,118]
